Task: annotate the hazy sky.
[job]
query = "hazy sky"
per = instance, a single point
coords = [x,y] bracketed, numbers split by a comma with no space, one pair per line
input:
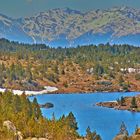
[20,8]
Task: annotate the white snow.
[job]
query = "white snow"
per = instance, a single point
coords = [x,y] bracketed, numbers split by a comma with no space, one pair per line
[47,89]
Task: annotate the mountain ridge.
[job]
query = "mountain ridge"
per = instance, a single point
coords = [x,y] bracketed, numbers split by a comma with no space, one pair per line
[67,27]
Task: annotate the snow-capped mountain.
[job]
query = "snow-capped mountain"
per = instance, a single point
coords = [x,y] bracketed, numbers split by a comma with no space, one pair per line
[66,27]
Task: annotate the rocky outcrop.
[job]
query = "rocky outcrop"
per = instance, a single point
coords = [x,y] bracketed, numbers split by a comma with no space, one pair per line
[121,137]
[110,104]
[11,127]
[19,135]
[135,136]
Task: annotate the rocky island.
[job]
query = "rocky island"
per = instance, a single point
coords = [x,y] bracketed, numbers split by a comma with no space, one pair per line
[125,103]
[47,105]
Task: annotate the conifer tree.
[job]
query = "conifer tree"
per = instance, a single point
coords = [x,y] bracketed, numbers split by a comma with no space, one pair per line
[133,103]
[122,101]
[36,109]
[123,129]
[72,121]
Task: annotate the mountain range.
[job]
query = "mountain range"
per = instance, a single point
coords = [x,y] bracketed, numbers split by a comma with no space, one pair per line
[67,27]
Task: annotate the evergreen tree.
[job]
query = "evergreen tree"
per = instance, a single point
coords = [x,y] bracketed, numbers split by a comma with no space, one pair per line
[99,70]
[36,109]
[92,135]
[121,80]
[134,103]
[16,103]
[123,129]
[122,101]
[136,129]
[72,121]
[29,74]
[53,117]
[88,134]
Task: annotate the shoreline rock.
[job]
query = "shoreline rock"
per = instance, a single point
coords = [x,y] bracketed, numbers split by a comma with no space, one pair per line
[126,106]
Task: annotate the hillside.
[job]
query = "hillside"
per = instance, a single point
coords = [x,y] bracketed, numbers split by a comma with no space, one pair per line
[82,69]
[67,27]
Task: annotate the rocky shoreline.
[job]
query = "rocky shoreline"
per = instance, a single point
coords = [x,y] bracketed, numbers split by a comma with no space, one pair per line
[125,103]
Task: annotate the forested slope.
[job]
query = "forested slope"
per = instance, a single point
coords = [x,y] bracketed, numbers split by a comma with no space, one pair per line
[81,69]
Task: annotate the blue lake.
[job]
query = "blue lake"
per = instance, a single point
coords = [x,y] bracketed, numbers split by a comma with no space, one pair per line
[105,121]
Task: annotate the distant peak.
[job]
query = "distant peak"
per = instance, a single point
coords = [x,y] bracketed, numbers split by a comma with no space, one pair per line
[123,8]
[71,11]
[65,10]
[6,17]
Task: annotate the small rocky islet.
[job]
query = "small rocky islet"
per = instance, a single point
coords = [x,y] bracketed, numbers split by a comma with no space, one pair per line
[46,105]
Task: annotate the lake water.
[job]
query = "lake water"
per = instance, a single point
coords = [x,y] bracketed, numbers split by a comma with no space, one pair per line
[105,121]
